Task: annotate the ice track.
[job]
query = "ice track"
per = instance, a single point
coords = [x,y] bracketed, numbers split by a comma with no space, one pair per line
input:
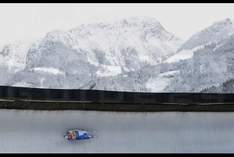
[42,131]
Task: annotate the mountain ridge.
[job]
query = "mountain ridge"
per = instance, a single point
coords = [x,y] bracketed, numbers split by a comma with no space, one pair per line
[134,54]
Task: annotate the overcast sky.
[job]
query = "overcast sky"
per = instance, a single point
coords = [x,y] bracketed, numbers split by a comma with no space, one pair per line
[25,22]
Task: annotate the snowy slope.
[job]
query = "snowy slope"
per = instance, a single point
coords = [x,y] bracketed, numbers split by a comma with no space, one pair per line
[210,66]
[159,83]
[12,60]
[183,55]
[204,60]
[14,55]
[218,31]
[214,34]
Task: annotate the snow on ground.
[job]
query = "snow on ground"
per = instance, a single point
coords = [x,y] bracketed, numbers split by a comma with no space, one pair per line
[183,54]
[168,73]
[42,131]
[159,83]
[105,71]
[22,84]
[49,70]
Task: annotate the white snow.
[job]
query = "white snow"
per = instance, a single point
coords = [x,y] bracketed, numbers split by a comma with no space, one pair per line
[21,84]
[14,55]
[49,70]
[168,73]
[42,131]
[105,71]
[183,54]
[218,31]
[159,83]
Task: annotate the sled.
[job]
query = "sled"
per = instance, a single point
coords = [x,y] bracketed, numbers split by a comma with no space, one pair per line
[77,134]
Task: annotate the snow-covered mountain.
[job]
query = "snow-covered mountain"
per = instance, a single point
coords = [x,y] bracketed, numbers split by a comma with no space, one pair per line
[134,54]
[127,43]
[71,59]
[14,55]
[219,31]
[211,62]
[204,61]
[12,60]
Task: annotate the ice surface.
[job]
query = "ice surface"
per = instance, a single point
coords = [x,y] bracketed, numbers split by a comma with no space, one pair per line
[42,131]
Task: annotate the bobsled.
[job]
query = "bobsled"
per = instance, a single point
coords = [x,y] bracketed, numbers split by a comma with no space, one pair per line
[76,134]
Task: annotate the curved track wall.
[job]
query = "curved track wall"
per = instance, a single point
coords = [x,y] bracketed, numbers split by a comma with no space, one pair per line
[62,99]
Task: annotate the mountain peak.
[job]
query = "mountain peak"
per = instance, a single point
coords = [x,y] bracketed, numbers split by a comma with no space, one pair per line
[130,22]
[145,27]
[226,21]
[222,25]
[216,32]
[140,20]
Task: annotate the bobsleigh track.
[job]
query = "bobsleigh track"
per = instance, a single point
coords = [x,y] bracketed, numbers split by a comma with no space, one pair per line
[42,131]
[35,120]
